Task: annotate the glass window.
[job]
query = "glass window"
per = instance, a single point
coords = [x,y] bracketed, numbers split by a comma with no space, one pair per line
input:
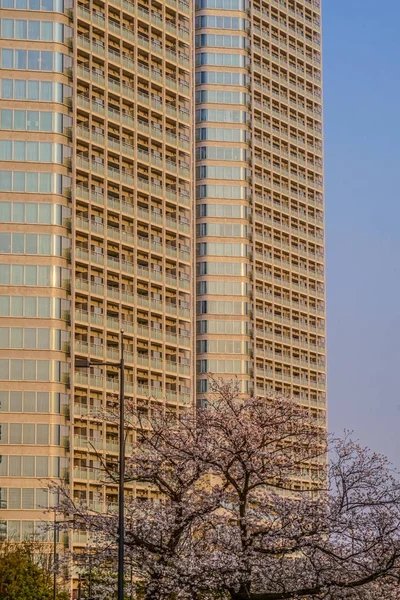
[5,181]
[33,60]
[58,214]
[58,62]
[28,430]
[4,368]
[57,250]
[32,180]
[4,404]
[7,89]
[30,370]
[17,337]
[5,243]
[21,4]
[42,500]
[47,61]
[43,369]
[3,471]
[34,30]
[29,337]
[28,527]
[56,435]
[28,466]
[57,339]
[7,58]
[44,276]
[34,4]
[58,92]
[19,181]
[46,152]
[31,243]
[45,183]
[42,434]
[18,212]
[5,306]
[47,31]
[21,31]
[33,90]
[44,244]
[58,184]
[7,28]
[5,150]
[29,402]
[6,118]
[47,5]
[17,275]
[4,337]
[44,307]
[32,151]
[56,404]
[20,59]
[58,32]
[31,275]
[15,466]
[46,91]
[58,123]
[17,309]
[15,433]
[18,243]
[14,498]
[43,402]
[20,119]
[31,306]
[57,153]
[42,466]
[32,213]
[28,495]
[43,342]
[45,213]
[45,121]
[19,151]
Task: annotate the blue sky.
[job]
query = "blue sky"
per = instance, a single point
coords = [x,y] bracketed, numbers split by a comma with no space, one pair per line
[362,164]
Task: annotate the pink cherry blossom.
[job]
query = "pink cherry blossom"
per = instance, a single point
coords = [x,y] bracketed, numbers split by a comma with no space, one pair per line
[243,506]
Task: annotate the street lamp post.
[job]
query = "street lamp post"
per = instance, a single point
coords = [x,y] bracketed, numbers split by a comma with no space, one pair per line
[121,366]
[121,507]
[55,556]
[55,565]
[90,578]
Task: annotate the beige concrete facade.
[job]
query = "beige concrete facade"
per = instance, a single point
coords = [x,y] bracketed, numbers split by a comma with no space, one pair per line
[124,251]
[259,198]
[146,139]
[35,216]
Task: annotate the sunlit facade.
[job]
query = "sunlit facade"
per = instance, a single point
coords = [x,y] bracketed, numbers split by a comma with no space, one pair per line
[259,198]
[141,144]
[96,235]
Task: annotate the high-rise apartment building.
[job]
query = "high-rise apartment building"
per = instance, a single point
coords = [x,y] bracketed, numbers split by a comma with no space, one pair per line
[96,234]
[141,143]
[259,197]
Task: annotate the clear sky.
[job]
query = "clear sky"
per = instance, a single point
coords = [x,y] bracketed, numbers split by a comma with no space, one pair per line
[362,171]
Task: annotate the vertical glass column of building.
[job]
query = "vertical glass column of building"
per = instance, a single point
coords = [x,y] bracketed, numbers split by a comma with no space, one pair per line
[132,222]
[287,192]
[34,257]
[222,204]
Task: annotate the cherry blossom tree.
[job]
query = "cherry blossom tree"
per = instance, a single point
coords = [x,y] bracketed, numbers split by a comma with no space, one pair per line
[242,506]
